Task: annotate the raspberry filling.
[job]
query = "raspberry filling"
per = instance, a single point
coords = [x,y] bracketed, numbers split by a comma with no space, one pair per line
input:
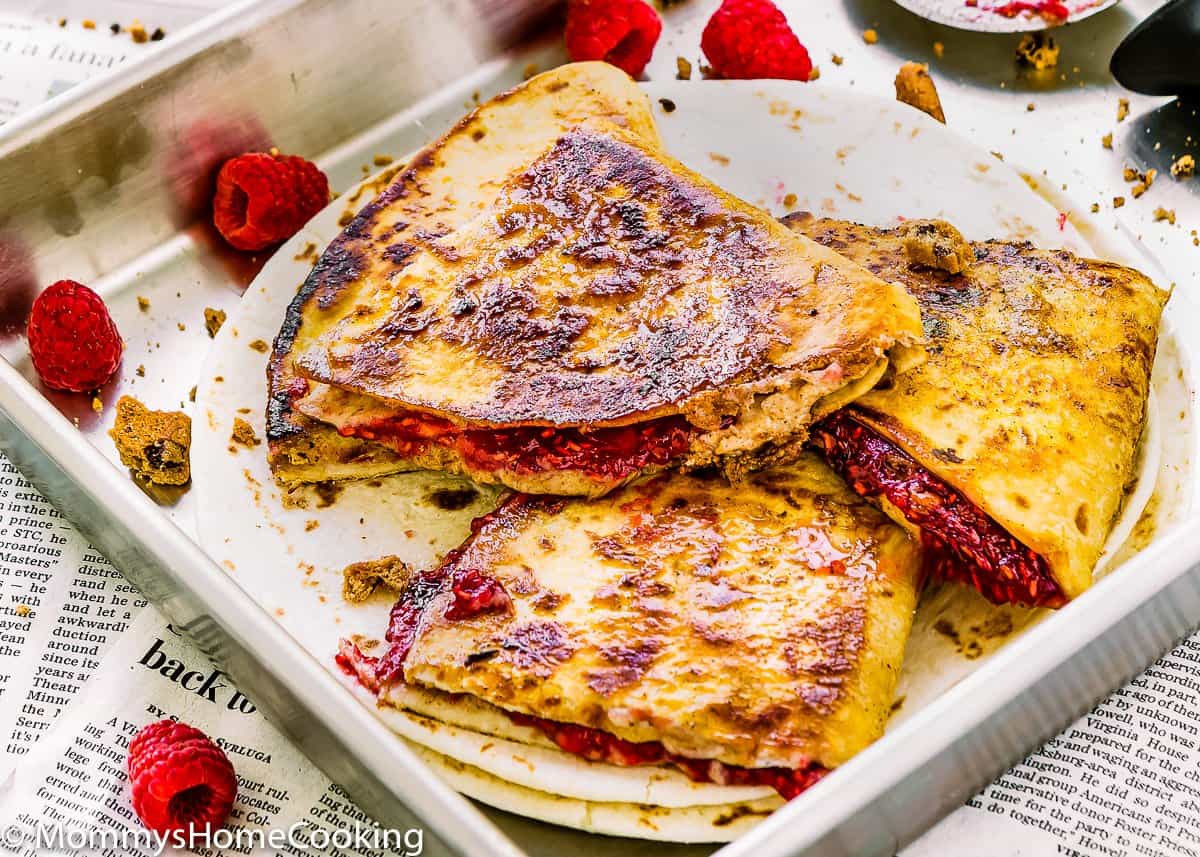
[961,542]
[603,454]
[1053,9]
[597,746]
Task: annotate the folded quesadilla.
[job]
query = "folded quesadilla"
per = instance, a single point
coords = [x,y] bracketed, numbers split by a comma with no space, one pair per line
[444,186]
[747,633]
[1012,446]
[610,313]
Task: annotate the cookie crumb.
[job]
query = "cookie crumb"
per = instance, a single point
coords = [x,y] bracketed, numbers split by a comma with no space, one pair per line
[1118,201]
[192,394]
[213,319]
[789,200]
[814,74]
[667,105]
[1106,141]
[243,433]
[311,525]
[140,371]
[138,33]
[1122,109]
[1038,51]
[870,36]
[158,35]
[361,579]
[936,244]
[23,610]
[155,445]
[260,345]
[837,59]
[1095,207]
[143,303]
[939,50]
[1167,214]
[1183,167]
[88,24]
[97,405]
[683,69]
[915,87]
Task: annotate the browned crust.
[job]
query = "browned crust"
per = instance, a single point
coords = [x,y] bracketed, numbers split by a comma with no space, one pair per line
[760,624]
[1034,395]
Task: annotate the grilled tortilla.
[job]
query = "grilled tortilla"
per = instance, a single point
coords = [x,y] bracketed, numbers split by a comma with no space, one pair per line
[444,186]
[611,314]
[747,633]
[1013,444]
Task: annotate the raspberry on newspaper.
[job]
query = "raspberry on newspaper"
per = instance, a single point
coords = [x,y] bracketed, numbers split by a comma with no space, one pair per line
[180,779]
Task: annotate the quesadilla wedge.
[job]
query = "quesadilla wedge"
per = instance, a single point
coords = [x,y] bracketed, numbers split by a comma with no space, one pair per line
[745,633]
[1012,446]
[610,313]
[444,186]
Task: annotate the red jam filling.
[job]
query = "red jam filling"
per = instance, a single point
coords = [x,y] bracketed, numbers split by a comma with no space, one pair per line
[1053,9]
[603,454]
[598,746]
[961,543]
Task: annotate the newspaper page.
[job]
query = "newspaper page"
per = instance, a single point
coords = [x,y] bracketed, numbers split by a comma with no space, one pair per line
[62,605]
[70,793]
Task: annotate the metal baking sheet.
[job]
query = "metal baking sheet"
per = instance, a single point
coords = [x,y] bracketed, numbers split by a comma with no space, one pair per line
[107,186]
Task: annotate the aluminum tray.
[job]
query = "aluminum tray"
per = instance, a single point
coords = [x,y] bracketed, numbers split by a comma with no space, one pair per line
[97,187]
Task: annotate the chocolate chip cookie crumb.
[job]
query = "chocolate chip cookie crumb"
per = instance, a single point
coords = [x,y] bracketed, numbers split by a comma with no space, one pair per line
[213,319]
[361,579]
[683,69]
[936,244]
[1038,51]
[155,445]
[143,303]
[1122,109]
[1184,167]
[260,346]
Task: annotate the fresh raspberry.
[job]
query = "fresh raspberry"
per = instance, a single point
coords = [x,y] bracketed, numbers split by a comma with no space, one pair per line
[74,344]
[621,32]
[180,779]
[751,39]
[263,199]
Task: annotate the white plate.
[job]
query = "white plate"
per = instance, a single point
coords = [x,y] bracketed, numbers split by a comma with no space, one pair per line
[782,146]
[984,17]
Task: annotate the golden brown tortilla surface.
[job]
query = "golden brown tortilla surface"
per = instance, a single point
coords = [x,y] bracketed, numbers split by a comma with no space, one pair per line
[760,624]
[1033,398]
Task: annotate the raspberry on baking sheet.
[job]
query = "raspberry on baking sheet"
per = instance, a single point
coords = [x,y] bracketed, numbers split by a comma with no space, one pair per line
[73,341]
[751,39]
[264,199]
[620,32]
[180,779]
